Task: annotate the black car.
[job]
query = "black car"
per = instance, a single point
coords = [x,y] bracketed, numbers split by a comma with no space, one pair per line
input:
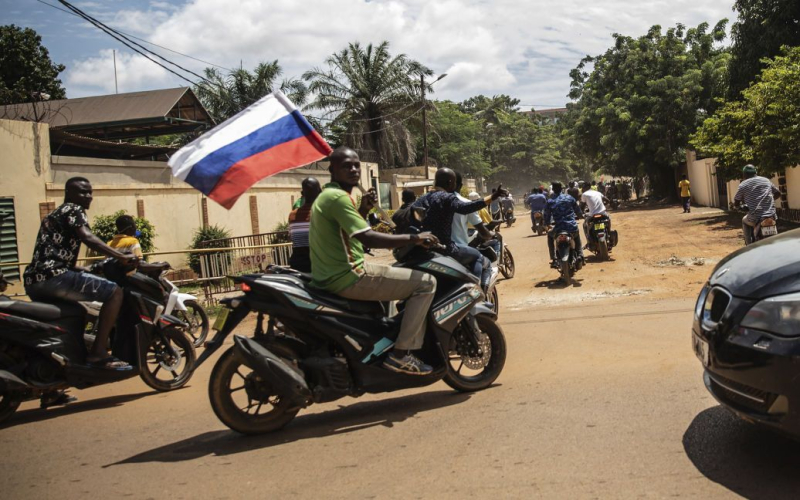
[746,332]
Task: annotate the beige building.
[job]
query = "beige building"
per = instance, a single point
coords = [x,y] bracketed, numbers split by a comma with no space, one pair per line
[32,184]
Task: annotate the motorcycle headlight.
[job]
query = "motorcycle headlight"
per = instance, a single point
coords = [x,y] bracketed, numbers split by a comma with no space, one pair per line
[779,315]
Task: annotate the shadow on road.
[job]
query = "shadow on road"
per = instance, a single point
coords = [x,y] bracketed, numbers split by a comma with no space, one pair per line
[38,414]
[746,459]
[557,284]
[385,412]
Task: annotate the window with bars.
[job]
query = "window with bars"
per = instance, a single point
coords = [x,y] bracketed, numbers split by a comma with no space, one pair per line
[8,239]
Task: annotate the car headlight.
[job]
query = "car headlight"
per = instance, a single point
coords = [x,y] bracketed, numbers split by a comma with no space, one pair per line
[701,300]
[780,315]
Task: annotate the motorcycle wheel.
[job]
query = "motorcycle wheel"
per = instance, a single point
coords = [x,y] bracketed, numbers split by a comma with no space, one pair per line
[508,268]
[565,272]
[602,250]
[197,319]
[159,367]
[9,402]
[484,369]
[238,395]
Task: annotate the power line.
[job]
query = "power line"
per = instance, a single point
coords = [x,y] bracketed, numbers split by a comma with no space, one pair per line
[141,39]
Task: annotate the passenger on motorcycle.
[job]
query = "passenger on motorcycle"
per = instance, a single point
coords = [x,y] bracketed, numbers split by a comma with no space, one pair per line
[53,275]
[536,201]
[460,233]
[337,236]
[441,205]
[563,210]
[299,224]
[759,194]
[595,202]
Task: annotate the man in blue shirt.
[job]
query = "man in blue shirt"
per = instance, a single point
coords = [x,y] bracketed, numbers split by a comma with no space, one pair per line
[564,211]
[440,205]
[536,201]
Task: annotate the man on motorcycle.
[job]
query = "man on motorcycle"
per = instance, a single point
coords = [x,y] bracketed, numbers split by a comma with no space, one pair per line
[337,236]
[595,202]
[563,209]
[53,275]
[441,205]
[759,194]
[537,201]
[299,223]
[507,205]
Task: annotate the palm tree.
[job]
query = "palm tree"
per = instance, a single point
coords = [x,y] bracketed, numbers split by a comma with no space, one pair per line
[371,96]
[224,96]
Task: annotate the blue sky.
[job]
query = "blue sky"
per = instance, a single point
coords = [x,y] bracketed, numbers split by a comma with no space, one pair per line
[521,48]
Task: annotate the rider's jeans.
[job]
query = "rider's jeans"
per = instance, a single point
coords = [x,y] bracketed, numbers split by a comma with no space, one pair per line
[383,283]
[748,228]
[72,286]
[473,260]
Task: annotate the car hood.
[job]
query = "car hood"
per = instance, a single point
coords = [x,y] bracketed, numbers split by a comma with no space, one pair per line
[769,267]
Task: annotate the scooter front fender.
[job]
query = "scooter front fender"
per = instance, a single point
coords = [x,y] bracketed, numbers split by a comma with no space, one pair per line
[181,299]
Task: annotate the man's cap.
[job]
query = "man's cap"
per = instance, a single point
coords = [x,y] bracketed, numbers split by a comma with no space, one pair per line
[474,196]
[749,169]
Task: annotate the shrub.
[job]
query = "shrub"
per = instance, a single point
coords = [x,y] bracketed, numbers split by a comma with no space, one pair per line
[202,235]
[104,227]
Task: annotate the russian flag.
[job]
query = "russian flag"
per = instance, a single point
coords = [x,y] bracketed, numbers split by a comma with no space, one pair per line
[268,137]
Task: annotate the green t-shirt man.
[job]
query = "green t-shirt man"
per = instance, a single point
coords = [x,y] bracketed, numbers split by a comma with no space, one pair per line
[337,258]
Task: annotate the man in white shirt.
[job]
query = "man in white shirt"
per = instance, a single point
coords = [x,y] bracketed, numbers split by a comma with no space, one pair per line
[595,202]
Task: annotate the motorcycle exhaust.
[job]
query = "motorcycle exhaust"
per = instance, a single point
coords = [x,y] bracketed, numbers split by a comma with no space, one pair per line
[286,382]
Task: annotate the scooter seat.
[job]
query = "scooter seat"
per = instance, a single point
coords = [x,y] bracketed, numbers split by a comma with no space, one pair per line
[355,306]
[41,311]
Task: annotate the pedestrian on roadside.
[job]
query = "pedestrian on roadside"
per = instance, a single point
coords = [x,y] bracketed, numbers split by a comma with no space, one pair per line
[686,195]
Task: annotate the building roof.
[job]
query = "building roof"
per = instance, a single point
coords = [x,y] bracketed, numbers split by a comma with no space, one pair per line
[119,116]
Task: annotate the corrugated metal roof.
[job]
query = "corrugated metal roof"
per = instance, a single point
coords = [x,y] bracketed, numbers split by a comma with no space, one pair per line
[115,108]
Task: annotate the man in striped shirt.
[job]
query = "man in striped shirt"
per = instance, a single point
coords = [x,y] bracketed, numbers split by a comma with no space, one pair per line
[759,194]
[299,223]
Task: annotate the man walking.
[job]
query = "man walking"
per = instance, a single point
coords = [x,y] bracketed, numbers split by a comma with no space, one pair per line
[686,195]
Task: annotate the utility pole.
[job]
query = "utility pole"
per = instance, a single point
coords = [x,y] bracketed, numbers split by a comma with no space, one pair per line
[116,87]
[424,124]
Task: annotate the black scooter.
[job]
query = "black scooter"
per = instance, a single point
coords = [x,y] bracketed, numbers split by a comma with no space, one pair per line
[333,347]
[601,240]
[567,255]
[42,346]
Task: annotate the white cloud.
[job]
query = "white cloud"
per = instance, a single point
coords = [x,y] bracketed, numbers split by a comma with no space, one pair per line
[524,49]
[95,75]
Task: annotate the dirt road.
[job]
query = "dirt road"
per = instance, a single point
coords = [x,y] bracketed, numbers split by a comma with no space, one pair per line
[601,397]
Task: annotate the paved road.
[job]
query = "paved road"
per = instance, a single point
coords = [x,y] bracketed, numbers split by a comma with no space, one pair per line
[599,398]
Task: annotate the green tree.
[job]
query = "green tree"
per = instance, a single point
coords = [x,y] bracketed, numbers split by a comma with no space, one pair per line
[763,127]
[26,72]
[763,27]
[225,95]
[636,108]
[455,140]
[372,95]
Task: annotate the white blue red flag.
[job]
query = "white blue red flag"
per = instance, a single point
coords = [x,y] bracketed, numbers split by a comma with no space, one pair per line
[269,137]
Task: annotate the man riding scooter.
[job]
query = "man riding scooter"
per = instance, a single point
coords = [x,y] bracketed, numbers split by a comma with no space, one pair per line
[595,202]
[563,210]
[759,194]
[537,201]
[53,275]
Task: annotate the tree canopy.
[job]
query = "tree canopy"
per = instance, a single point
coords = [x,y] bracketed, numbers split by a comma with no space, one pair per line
[371,95]
[26,72]
[763,127]
[763,27]
[636,105]
[225,95]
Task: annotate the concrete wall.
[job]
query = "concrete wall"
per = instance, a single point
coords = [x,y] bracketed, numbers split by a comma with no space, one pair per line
[793,187]
[31,176]
[702,176]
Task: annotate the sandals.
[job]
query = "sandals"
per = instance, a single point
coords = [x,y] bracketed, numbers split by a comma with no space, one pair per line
[110,363]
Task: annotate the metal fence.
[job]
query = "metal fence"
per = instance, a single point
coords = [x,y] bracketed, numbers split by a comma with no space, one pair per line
[239,255]
[788,214]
